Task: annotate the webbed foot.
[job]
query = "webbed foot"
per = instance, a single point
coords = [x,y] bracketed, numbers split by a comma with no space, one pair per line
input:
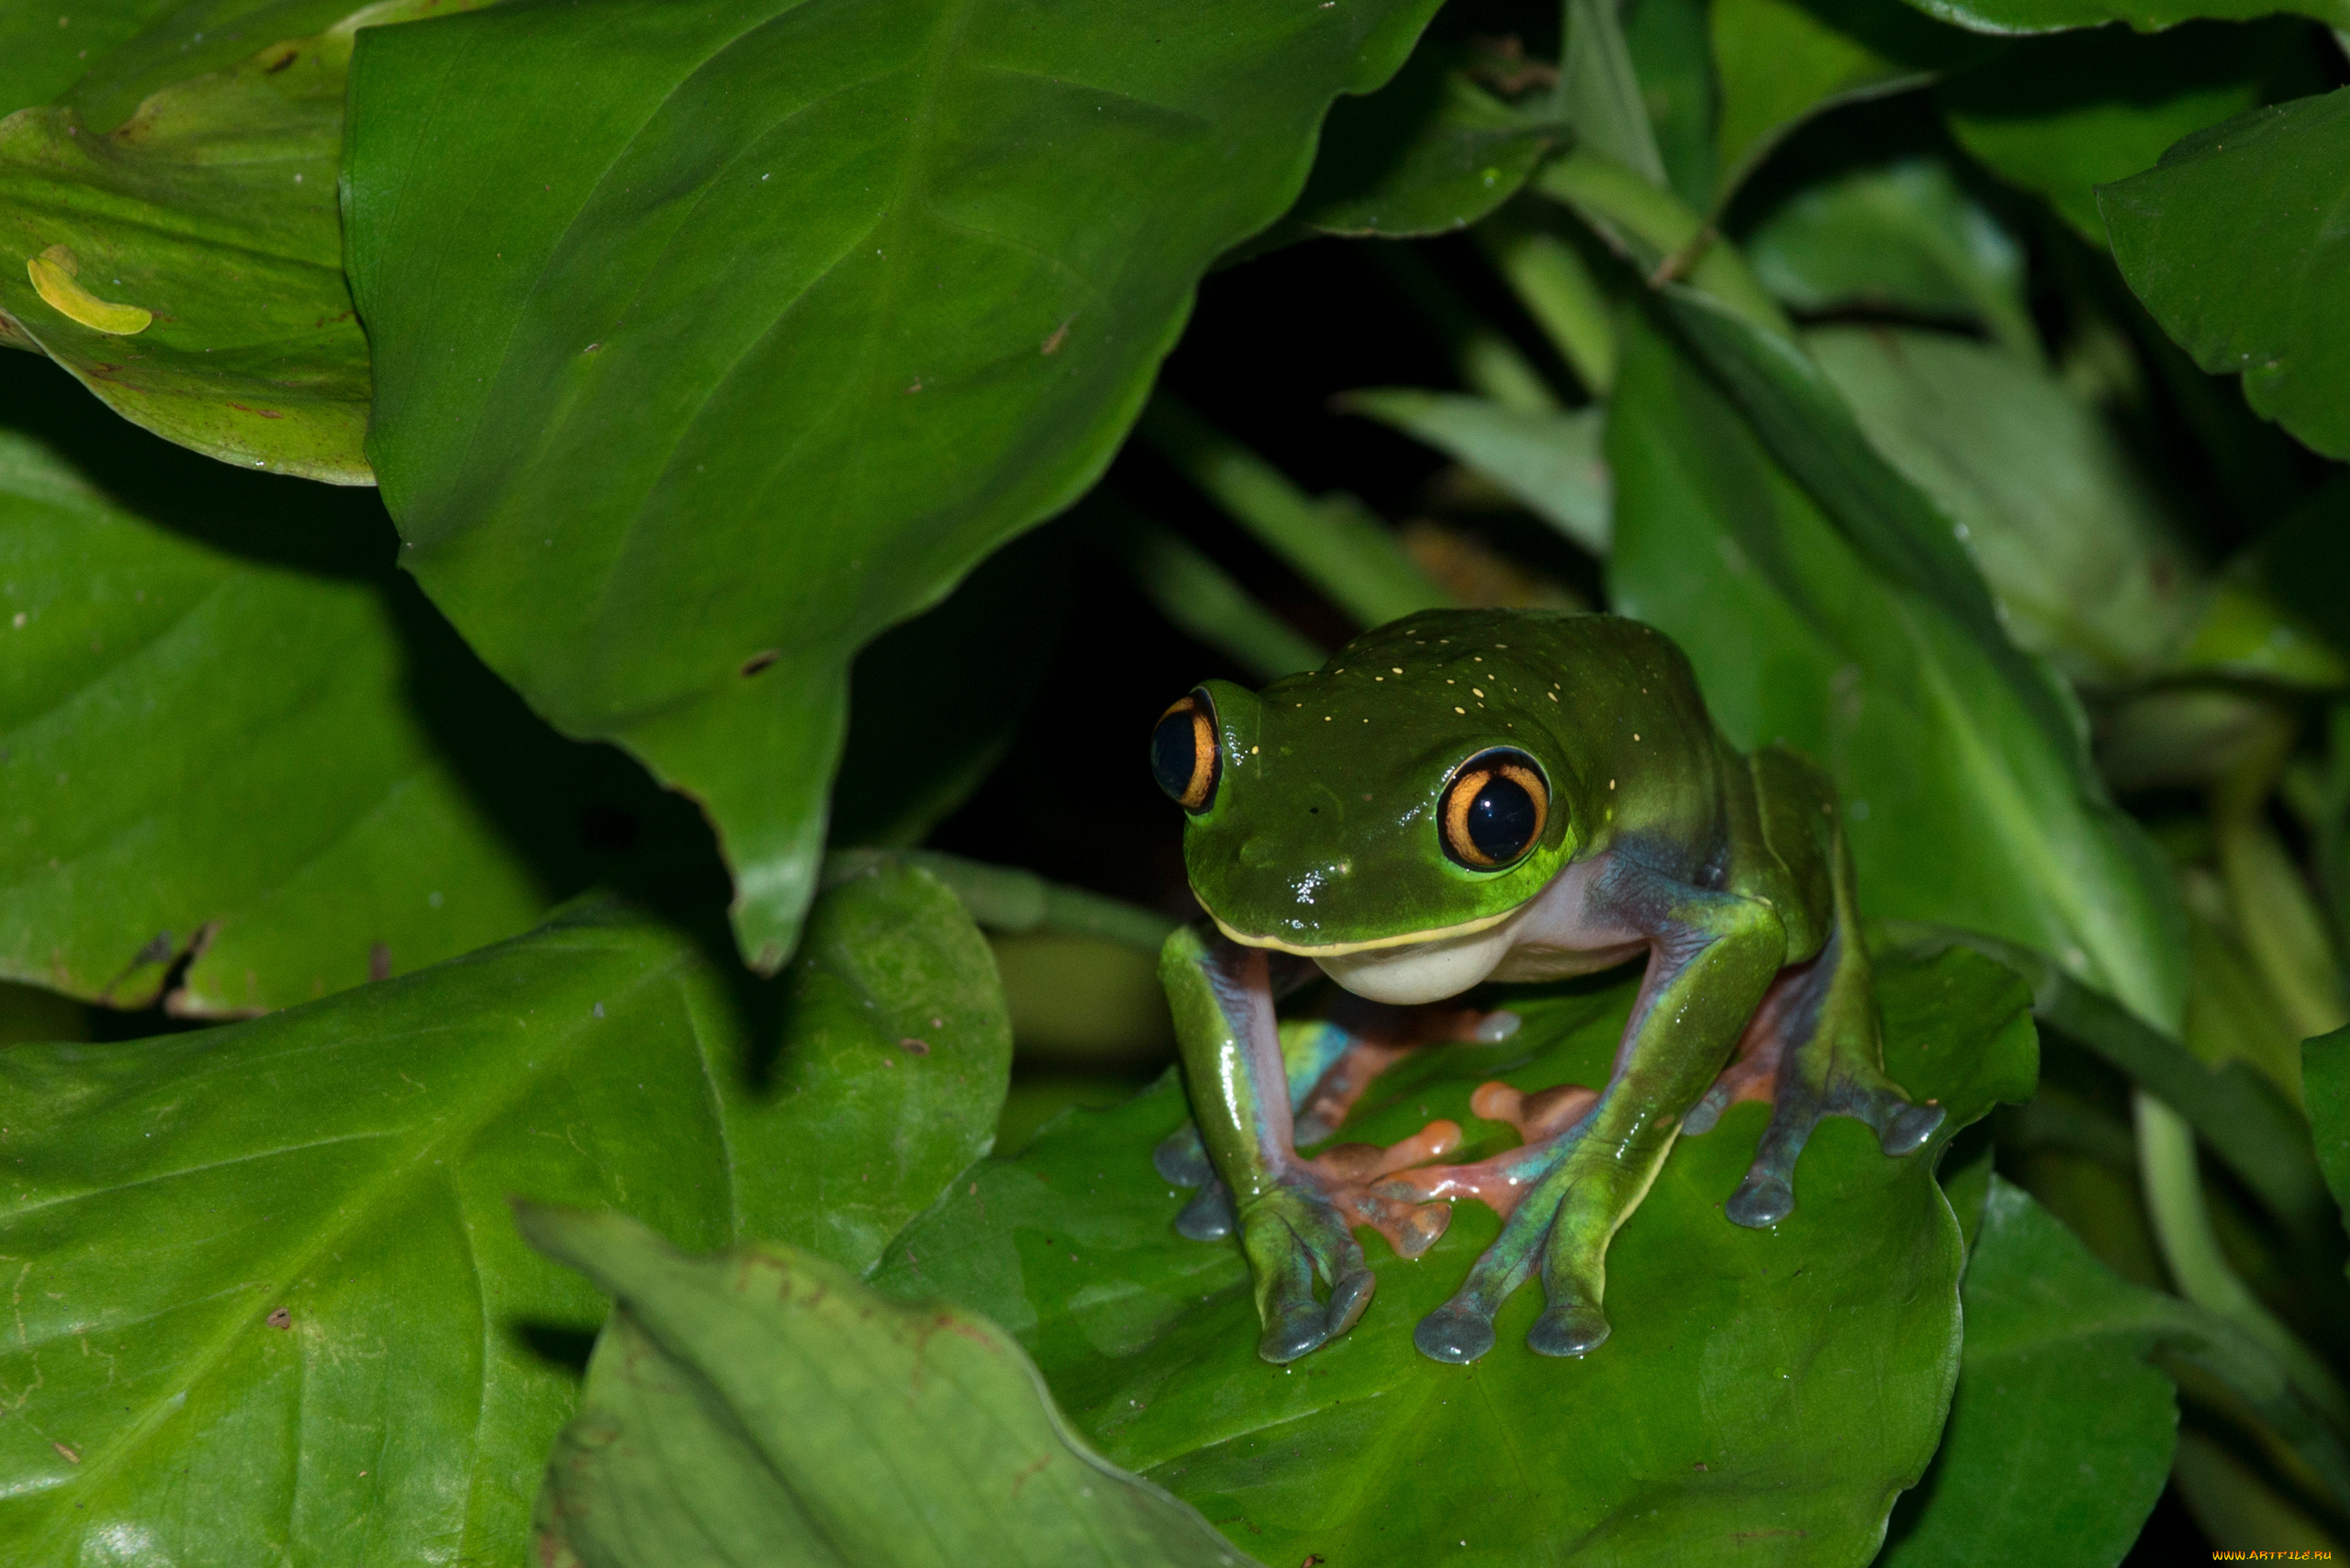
[1293,1233]
[1767,1195]
[1561,1201]
[1811,1051]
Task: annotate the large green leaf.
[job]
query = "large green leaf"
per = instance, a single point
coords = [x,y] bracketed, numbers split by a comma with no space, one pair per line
[230,730]
[2066,530]
[2061,1435]
[710,343]
[1903,238]
[767,1407]
[2062,116]
[2145,16]
[2231,243]
[269,1303]
[1765,1392]
[1781,61]
[211,209]
[1841,614]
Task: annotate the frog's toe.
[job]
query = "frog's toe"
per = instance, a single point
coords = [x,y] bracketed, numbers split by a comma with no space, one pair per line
[1762,1200]
[1701,1117]
[1456,1332]
[1208,1216]
[1182,1159]
[1906,1130]
[1567,1329]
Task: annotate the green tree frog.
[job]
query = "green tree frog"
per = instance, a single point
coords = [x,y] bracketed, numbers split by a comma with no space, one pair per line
[1465,796]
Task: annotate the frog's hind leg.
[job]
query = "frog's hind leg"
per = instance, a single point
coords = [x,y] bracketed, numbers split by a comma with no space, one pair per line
[1812,1051]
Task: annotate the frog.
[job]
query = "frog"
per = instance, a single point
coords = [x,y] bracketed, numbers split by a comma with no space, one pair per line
[1466,798]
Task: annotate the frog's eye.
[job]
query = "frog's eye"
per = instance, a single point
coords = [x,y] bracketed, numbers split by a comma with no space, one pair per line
[1495,806]
[1184,756]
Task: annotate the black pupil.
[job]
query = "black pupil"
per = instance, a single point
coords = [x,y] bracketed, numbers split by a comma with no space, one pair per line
[1501,819]
[1173,755]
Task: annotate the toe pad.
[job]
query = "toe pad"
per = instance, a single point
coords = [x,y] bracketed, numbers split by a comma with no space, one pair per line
[1208,1216]
[1454,1334]
[1761,1200]
[1567,1331]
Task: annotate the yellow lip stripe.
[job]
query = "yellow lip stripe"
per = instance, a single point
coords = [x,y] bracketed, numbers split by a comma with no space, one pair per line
[53,272]
[1339,949]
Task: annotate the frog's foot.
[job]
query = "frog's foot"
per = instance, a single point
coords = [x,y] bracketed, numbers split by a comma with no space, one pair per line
[1377,1187]
[1182,1160]
[1291,1232]
[1377,1037]
[1811,1051]
[1528,1187]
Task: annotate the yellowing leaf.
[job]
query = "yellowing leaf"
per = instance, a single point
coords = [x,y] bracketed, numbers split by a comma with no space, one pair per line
[53,272]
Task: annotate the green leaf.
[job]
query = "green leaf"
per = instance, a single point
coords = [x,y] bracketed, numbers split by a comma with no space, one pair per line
[1673,59]
[1781,62]
[270,1304]
[1758,1383]
[2243,1117]
[1550,461]
[2144,16]
[2061,1435]
[709,342]
[1902,238]
[2325,1090]
[2062,116]
[212,211]
[1199,597]
[231,732]
[1828,603]
[1333,542]
[1429,153]
[2228,242]
[2066,530]
[1600,93]
[766,1405]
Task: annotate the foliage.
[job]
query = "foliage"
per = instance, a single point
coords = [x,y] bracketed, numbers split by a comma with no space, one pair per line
[803,477]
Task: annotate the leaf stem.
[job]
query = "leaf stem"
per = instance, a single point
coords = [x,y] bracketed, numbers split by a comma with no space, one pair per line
[2174,1200]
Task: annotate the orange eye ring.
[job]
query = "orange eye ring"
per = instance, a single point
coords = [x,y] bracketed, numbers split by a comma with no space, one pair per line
[1184,756]
[1495,806]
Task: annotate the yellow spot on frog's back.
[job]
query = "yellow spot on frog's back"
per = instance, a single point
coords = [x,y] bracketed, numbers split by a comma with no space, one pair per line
[1394,669]
[1551,695]
[1460,710]
[1611,783]
[53,272]
[1474,693]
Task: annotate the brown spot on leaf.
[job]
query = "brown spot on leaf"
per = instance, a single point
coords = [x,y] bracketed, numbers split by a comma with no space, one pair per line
[912,1046]
[281,1318]
[760,660]
[379,962]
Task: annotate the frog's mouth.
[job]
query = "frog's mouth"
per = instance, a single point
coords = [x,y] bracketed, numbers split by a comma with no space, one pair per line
[1341,949]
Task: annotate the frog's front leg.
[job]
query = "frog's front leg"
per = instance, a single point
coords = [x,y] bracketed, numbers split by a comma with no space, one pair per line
[1222,995]
[1712,956]
[1329,1061]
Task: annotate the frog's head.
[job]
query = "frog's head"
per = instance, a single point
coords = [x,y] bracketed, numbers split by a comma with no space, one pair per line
[1400,795]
